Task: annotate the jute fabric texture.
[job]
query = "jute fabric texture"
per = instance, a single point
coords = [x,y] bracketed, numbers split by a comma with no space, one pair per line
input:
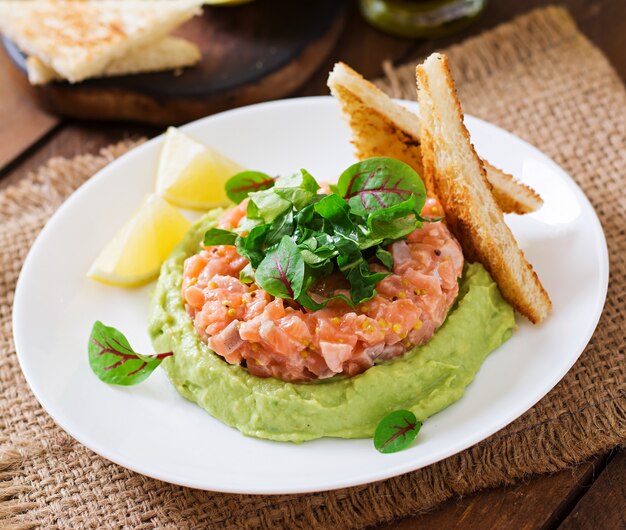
[539,78]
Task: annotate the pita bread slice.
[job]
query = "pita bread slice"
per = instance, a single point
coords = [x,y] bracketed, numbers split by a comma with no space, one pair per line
[382,127]
[166,54]
[79,39]
[460,182]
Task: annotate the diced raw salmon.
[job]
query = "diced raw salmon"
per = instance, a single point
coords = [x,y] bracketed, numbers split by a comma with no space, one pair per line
[245,325]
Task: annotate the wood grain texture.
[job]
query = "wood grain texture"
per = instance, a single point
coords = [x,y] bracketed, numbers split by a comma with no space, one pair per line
[604,505]
[69,140]
[250,53]
[539,502]
[22,122]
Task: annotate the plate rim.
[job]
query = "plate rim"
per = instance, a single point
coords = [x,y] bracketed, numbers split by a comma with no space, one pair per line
[390,471]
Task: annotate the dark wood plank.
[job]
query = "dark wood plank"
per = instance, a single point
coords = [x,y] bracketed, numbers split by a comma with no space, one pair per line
[22,122]
[250,53]
[604,506]
[72,139]
[538,503]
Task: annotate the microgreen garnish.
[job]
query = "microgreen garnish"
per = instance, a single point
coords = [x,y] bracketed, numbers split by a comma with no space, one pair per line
[396,431]
[292,235]
[282,270]
[114,361]
[217,236]
[242,184]
[378,183]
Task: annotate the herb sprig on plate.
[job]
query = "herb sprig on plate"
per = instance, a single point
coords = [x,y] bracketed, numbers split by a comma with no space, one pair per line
[114,361]
[292,235]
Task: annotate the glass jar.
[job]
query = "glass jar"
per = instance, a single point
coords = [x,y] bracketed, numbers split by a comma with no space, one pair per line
[421,18]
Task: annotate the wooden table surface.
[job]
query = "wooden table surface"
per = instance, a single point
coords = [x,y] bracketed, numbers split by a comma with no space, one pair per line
[590,495]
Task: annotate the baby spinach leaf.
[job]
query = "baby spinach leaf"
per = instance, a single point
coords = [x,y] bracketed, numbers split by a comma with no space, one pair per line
[114,361]
[217,236]
[239,186]
[281,273]
[396,431]
[377,183]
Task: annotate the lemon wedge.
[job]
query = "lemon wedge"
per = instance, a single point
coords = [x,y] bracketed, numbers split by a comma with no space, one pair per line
[134,255]
[192,175]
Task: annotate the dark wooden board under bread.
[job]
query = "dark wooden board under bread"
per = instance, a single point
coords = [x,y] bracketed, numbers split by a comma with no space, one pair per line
[253,52]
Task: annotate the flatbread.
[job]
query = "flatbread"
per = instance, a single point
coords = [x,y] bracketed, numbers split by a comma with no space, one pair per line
[166,54]
[79,39]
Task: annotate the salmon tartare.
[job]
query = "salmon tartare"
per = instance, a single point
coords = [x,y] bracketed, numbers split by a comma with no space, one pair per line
[275,337]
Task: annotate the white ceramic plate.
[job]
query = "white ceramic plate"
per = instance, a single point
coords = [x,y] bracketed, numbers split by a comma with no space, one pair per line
[152,430]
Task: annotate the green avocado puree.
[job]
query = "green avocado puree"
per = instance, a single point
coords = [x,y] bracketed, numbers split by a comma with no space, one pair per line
[425,380]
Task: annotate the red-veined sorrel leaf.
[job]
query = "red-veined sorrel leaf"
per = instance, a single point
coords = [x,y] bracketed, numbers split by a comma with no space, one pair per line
[239,186]
[396,431]
[281,273]
[379,182]
[114,361]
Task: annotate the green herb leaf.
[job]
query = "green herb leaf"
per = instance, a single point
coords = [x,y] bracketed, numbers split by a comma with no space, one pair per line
[292,235]
[377,183]
[298,188]
[363,282]
[396,431]
[217,236]
[283,225]
[301,179]
[335,209]
[246,275]
[266,205]
[252,246]
[385,257]
[114,361]
[239,186]
[393,230]
[281,273]
[305,300]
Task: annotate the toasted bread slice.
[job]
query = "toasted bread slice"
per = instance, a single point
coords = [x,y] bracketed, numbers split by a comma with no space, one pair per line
[461,185]
[511,195]
[167,54]
[382,127]
[79,39]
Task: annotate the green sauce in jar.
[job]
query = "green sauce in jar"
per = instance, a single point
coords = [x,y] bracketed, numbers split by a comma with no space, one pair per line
[421,18]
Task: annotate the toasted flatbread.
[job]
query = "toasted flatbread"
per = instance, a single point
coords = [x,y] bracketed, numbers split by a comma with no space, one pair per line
[382,127]
[79,39]
[460,182]
[166,54]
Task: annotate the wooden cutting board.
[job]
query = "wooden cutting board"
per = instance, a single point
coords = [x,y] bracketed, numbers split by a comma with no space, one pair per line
[253,52]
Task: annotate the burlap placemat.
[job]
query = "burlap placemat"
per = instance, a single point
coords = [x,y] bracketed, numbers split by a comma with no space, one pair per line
[537,77]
